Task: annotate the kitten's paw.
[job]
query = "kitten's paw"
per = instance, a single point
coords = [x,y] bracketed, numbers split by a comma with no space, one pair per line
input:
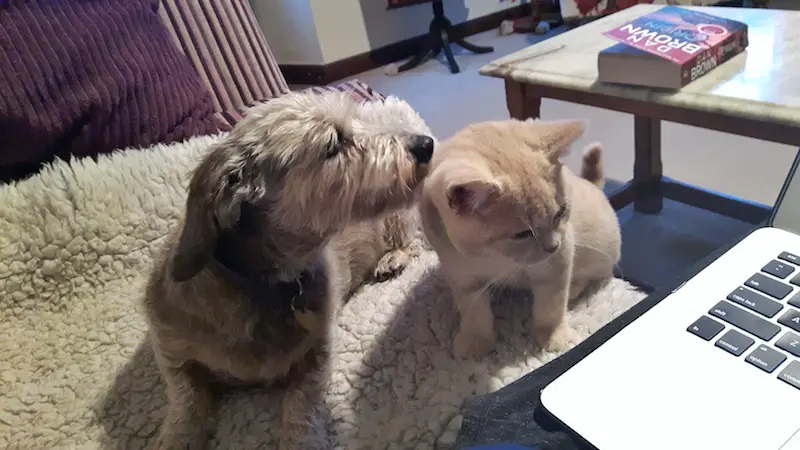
[577,288]
[391,265]
[472,345]
[558,339]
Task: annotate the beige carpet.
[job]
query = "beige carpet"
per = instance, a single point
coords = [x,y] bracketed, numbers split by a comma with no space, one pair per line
[75,369]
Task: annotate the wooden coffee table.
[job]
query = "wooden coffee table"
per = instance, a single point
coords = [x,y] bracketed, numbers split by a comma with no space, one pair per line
[755,94]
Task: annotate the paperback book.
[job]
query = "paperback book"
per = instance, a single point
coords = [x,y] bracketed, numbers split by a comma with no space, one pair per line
[670,48]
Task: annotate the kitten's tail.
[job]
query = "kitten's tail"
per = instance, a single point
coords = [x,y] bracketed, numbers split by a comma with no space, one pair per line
[592,169]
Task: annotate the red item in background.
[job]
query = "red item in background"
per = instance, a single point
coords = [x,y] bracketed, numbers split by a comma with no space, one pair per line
[586,6]
[622,4]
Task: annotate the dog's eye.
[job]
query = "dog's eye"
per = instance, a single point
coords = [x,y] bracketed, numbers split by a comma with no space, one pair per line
[527,234]
[335,146]
[560,214]
[333,150]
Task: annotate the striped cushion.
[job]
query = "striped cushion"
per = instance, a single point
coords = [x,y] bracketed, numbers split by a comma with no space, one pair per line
[227,48]
[357,89]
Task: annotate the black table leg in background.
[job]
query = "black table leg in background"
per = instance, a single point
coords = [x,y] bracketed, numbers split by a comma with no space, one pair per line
[647,166]
[649,187]
[440,35]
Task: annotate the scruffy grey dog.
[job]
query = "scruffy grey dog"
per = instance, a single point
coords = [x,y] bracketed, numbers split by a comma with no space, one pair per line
[303,201]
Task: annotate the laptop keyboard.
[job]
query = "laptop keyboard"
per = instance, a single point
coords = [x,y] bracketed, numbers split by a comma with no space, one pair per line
[767,309]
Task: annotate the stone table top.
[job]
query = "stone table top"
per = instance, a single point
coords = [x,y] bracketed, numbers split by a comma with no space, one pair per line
[762,83]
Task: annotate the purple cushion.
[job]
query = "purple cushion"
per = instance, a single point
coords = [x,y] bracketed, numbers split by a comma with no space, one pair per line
[82,77]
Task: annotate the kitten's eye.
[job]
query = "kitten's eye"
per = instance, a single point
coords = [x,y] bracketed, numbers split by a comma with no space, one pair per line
[527,234]
[560,215]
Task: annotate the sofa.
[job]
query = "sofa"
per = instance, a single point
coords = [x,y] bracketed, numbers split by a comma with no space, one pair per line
[128,74]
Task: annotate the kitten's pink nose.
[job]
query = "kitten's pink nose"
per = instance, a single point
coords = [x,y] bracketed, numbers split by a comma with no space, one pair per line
[552,249]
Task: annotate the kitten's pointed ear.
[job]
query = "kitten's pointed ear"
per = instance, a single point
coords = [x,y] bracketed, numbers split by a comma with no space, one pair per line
[556,137]
[469,197]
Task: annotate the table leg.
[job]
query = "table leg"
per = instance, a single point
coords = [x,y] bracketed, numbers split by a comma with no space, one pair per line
[647,167]
[536,12]
[521,103]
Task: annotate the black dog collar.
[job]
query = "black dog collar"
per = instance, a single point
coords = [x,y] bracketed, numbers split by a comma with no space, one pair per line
[283,297]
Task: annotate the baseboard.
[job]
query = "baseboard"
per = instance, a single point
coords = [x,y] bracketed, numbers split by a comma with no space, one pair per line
[306,74]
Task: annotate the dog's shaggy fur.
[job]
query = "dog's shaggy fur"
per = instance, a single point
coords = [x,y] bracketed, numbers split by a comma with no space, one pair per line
[305,199]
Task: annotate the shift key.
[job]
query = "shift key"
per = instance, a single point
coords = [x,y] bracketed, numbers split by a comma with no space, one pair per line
[747,321]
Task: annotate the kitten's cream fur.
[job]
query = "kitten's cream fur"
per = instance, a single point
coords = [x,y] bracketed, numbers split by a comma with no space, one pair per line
[502,211]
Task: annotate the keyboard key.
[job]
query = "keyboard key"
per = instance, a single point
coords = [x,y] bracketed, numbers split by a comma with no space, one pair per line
[791,374]
[734,342]
[796,280]
[790,257]
[766,358]
[791,319]
[789,342]
[706,328]
[755,302]
[745,320]
[795,300]
[767,285]
[778,269]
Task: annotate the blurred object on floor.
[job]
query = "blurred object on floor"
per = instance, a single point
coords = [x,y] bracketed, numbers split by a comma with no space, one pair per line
[544,16]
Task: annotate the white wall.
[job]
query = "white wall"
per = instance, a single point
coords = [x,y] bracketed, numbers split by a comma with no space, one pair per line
[343,28]
[289,28]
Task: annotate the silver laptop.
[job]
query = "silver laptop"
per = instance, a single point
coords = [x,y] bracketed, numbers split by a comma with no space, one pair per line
[714,366]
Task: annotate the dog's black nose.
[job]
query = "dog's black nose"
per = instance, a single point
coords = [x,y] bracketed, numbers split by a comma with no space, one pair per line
[421,147]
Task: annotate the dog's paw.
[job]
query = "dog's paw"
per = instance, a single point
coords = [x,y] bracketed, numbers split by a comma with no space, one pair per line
[558,339]
[305,444]
[391,265]
[468,344]
[174,441]
[312,436]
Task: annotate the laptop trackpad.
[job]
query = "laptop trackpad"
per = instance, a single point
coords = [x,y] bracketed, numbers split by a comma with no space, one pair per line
[793,443]
[636,393]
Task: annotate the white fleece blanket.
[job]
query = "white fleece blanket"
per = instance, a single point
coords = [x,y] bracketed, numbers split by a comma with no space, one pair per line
[75,369]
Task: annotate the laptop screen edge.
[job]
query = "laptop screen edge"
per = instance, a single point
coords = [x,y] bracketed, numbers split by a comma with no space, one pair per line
[786,213]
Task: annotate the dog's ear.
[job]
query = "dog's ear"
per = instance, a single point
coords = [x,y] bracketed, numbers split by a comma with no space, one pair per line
[211,207]
[197,241]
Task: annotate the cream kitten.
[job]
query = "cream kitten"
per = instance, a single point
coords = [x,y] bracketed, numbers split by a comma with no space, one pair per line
[500,209]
